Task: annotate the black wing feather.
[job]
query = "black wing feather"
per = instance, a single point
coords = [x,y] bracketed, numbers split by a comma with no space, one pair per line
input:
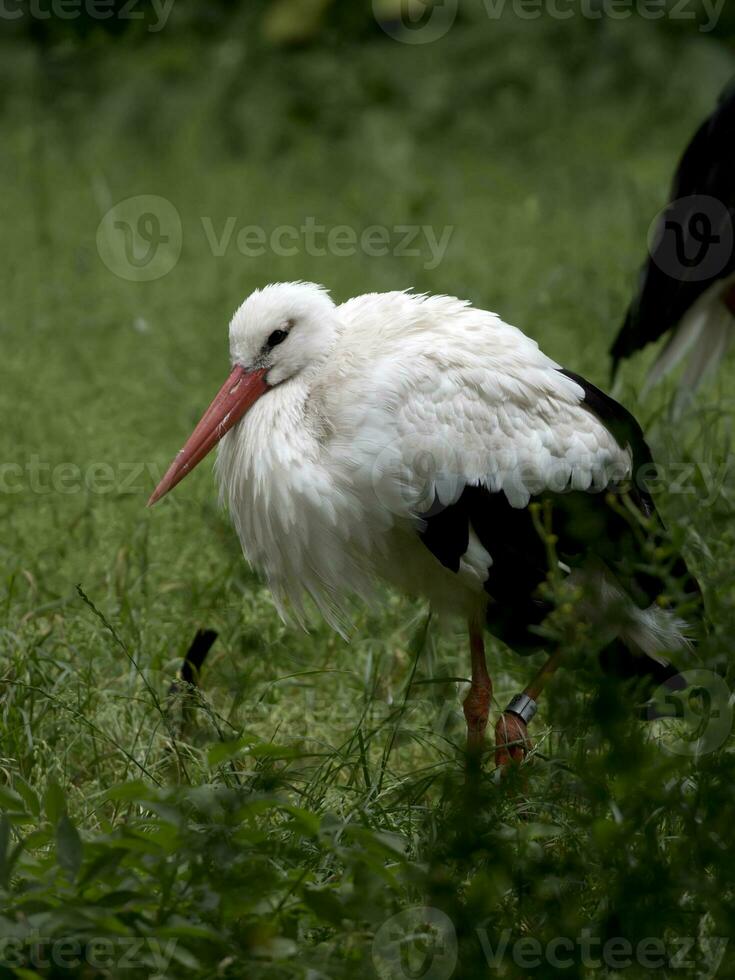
[707,168]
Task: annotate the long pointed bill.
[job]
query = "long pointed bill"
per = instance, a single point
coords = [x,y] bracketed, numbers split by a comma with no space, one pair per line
[241,390]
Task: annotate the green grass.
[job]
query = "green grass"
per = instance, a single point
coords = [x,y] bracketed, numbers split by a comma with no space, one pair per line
[316,788]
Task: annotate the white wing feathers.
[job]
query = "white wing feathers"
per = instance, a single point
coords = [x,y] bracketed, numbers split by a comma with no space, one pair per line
[443,395]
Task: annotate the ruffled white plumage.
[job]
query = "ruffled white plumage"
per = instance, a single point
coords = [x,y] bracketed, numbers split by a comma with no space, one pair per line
[415,398]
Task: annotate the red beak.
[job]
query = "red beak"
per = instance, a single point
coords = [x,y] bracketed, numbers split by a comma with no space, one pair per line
[241,390]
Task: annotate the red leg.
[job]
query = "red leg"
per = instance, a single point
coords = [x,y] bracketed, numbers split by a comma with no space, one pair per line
[477,702]
[511,739]
[511,732]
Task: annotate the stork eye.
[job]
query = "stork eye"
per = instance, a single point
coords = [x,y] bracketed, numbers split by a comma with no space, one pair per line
[277,337]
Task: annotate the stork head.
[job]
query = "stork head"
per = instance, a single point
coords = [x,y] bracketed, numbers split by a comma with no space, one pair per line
[283,329]
[279,333]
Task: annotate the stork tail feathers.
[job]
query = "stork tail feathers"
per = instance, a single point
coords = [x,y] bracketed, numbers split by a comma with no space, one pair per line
[704,334]
[715,340]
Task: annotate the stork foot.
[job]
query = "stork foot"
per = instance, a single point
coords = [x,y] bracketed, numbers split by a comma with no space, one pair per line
[512,743]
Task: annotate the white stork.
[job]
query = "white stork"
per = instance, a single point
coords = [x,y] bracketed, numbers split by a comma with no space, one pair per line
[402,437]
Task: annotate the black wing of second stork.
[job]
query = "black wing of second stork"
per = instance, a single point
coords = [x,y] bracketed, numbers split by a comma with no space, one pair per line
[671,280]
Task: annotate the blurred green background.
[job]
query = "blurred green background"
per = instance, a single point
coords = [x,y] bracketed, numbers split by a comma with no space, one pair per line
[315,788]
